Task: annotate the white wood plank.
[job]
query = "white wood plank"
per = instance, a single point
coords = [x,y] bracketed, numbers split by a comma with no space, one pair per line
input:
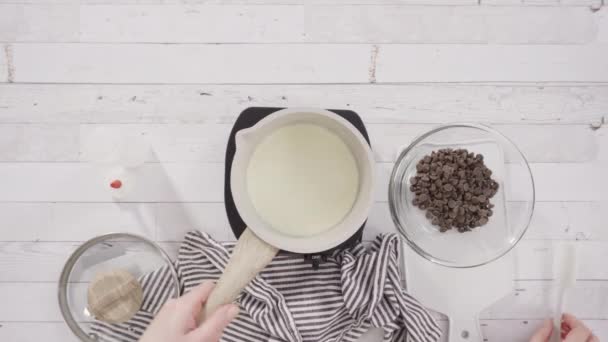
[169,142]
[74,221]
[251,2]
[585,220]
[36,331]
[207,142]
[581,221]
[519,330]
[602,14]
[532,299]
[529,104]
[580,2]
[552,183]
[39,22]
[479,63]
[296,24]
[568,143]
[38,301]
[502,2]
[549,178]
[170,221]
[43,261]
[83,182]
[535,259]
[495,330]
[174,220]
[190,63]
[202,182]
[33,142]
[543,3]
[5,56]
[139,63]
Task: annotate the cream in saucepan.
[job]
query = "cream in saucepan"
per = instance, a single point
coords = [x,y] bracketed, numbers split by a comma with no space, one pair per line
[302,179]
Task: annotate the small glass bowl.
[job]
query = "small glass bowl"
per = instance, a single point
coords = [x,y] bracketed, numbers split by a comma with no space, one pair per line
[120,251]
[513,203]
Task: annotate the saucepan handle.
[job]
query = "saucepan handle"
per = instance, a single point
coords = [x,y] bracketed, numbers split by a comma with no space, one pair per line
[249,257]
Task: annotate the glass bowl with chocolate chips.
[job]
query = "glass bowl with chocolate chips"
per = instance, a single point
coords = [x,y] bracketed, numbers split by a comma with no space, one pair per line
[461,195]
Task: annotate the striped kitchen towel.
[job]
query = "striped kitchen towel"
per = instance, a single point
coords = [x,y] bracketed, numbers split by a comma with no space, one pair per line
[353,291]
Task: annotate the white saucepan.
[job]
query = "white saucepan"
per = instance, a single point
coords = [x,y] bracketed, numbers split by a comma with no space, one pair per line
[260,242]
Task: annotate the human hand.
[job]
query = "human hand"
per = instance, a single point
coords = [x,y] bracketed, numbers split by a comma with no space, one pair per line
[177,319]
[572,330]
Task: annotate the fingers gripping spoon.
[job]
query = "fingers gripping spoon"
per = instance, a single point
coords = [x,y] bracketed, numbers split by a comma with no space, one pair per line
[564,270]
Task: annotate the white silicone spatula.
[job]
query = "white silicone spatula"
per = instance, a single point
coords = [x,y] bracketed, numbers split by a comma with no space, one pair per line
[564,269]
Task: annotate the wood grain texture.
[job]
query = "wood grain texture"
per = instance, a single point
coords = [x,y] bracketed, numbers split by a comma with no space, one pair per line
[543,3]
[170,221]
[293,63]
[75,221]
[43,261]
[206,142]
[22,22]
[247,2]
[36,331]
[69,182]
[581,221]
[292,24]
[84,182]
[39,142]
[535,69]
[48,259]
[530,301]
[412,103]
[140,63]
[183,182]
[518,330]
[602,24]
[479,63]
[5,66]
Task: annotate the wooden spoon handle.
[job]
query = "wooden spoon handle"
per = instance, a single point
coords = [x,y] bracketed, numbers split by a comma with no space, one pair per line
[249,257]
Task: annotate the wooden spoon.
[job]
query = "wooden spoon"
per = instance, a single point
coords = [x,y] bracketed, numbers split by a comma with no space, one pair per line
[249,257]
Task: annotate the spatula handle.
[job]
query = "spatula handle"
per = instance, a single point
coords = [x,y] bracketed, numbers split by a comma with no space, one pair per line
[249,257]
[464,329]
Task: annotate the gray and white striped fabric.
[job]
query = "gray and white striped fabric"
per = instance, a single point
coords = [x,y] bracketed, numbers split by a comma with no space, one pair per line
[356,289]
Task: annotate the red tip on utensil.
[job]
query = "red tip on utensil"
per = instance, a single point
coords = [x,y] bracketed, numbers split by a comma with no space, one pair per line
[116,184]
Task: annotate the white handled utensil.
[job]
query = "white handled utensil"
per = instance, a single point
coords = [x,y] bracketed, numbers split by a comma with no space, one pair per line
[564,269]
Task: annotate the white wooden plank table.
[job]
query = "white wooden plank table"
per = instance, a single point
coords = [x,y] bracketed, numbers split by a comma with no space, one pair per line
[78,75]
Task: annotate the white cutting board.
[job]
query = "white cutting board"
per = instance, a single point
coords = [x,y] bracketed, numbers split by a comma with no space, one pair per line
[459,293]
[462,293]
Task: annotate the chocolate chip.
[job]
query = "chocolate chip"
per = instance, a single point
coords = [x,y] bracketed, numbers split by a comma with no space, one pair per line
[454,187]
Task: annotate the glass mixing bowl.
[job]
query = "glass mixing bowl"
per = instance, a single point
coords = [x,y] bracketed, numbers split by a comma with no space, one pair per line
[513,203]
[120,251]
